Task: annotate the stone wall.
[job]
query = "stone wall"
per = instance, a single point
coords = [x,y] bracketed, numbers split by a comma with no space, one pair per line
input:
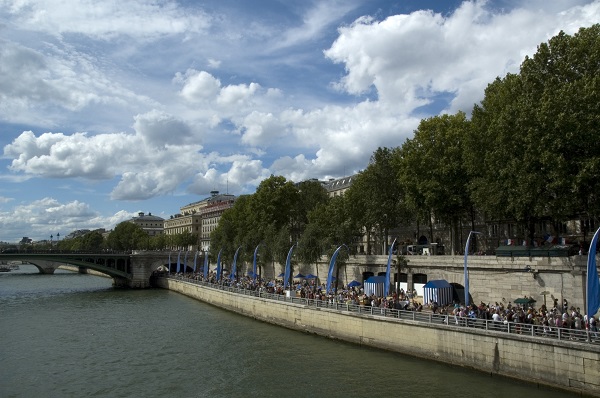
[562,364]
[491,279]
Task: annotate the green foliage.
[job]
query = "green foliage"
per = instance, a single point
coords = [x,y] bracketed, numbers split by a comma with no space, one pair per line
[534,151]
[127,236]
[433,172]
[92,241]
[275,215]
[375,198]
[433,167]
[158,242]
[274,203]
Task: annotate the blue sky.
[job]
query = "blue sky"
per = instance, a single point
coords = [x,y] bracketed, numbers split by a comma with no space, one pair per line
[111,108]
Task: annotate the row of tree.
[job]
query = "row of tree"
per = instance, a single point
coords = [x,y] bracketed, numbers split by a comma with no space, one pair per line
[126,236]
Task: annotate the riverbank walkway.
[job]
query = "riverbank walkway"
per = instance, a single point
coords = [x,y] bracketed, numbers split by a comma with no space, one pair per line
[553,323]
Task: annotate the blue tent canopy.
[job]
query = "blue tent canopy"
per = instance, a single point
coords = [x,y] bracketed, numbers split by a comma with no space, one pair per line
[439,291]
[439,283]
[375,285]
[354,283]
[299,276]
[310,276]
[376,279]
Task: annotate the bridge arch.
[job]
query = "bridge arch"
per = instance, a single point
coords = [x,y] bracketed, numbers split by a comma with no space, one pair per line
[118,266]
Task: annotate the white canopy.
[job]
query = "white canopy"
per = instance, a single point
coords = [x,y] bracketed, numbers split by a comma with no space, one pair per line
[439,291]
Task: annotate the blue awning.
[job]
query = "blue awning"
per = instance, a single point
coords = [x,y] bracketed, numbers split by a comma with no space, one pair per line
[376,279]
[439,283]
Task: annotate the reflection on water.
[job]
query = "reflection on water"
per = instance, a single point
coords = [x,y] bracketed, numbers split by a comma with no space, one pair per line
[73,335]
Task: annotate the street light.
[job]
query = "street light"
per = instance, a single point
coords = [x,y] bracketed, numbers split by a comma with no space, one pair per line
[51,241]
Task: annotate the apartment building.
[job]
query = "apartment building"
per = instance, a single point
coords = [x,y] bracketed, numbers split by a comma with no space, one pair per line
[200,218]
[152,225]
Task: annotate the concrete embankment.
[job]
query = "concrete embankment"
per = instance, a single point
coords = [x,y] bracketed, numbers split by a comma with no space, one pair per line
[571,366]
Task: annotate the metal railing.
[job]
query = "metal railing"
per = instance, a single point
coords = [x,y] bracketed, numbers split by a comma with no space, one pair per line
[515,328]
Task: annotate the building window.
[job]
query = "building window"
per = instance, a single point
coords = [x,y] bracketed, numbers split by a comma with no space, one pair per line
[494,230]
[510,230]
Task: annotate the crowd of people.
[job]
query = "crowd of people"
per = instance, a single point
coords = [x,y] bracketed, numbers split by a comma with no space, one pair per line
[521,317]
[547,320]
[312,290]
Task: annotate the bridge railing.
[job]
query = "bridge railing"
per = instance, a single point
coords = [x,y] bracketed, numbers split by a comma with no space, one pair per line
[60,251]
[515,328]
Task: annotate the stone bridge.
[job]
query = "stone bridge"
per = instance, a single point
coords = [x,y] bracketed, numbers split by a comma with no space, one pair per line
[132,270]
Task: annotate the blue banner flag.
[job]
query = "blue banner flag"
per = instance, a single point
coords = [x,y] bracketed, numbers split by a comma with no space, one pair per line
[331,265]
[386,288]
[195,259]
[206,265]
[234,266]
[466,270]
[288,266]
[219,265]
[179,261]
[593,283]
[254,262]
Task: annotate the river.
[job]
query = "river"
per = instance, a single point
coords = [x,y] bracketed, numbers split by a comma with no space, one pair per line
[73,335]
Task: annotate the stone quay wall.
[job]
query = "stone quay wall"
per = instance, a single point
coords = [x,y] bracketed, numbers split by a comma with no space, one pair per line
[491,279]
[566,365]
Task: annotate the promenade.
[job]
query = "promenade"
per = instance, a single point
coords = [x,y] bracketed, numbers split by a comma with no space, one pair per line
[559,324]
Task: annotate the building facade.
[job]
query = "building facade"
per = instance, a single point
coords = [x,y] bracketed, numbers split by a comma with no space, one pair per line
[199,218]
[337,187]
[152,225]
[211,214]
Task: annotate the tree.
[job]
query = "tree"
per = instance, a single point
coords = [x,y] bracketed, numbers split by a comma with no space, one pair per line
[312,244]
[185,239]
[126,236]
[310,195]
[274,202]
[375,197]
[277,208]
[434,172]
[534,152]
[158,242]
[93,241]
[223,237]
[329,226]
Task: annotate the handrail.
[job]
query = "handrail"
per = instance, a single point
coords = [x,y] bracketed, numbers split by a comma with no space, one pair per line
[515,328]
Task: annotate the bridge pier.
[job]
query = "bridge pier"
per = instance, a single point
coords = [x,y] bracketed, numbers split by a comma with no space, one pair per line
[120,282]
[143,264]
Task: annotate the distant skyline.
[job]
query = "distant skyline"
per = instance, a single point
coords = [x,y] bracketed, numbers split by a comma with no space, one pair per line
[108,109]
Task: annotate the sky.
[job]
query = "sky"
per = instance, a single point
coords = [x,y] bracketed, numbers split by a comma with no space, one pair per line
[110,108]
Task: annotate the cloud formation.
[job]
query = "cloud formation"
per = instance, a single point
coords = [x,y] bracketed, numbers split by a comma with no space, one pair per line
[205,97]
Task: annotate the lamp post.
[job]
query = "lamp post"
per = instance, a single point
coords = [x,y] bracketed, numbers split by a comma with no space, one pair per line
[51,240]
